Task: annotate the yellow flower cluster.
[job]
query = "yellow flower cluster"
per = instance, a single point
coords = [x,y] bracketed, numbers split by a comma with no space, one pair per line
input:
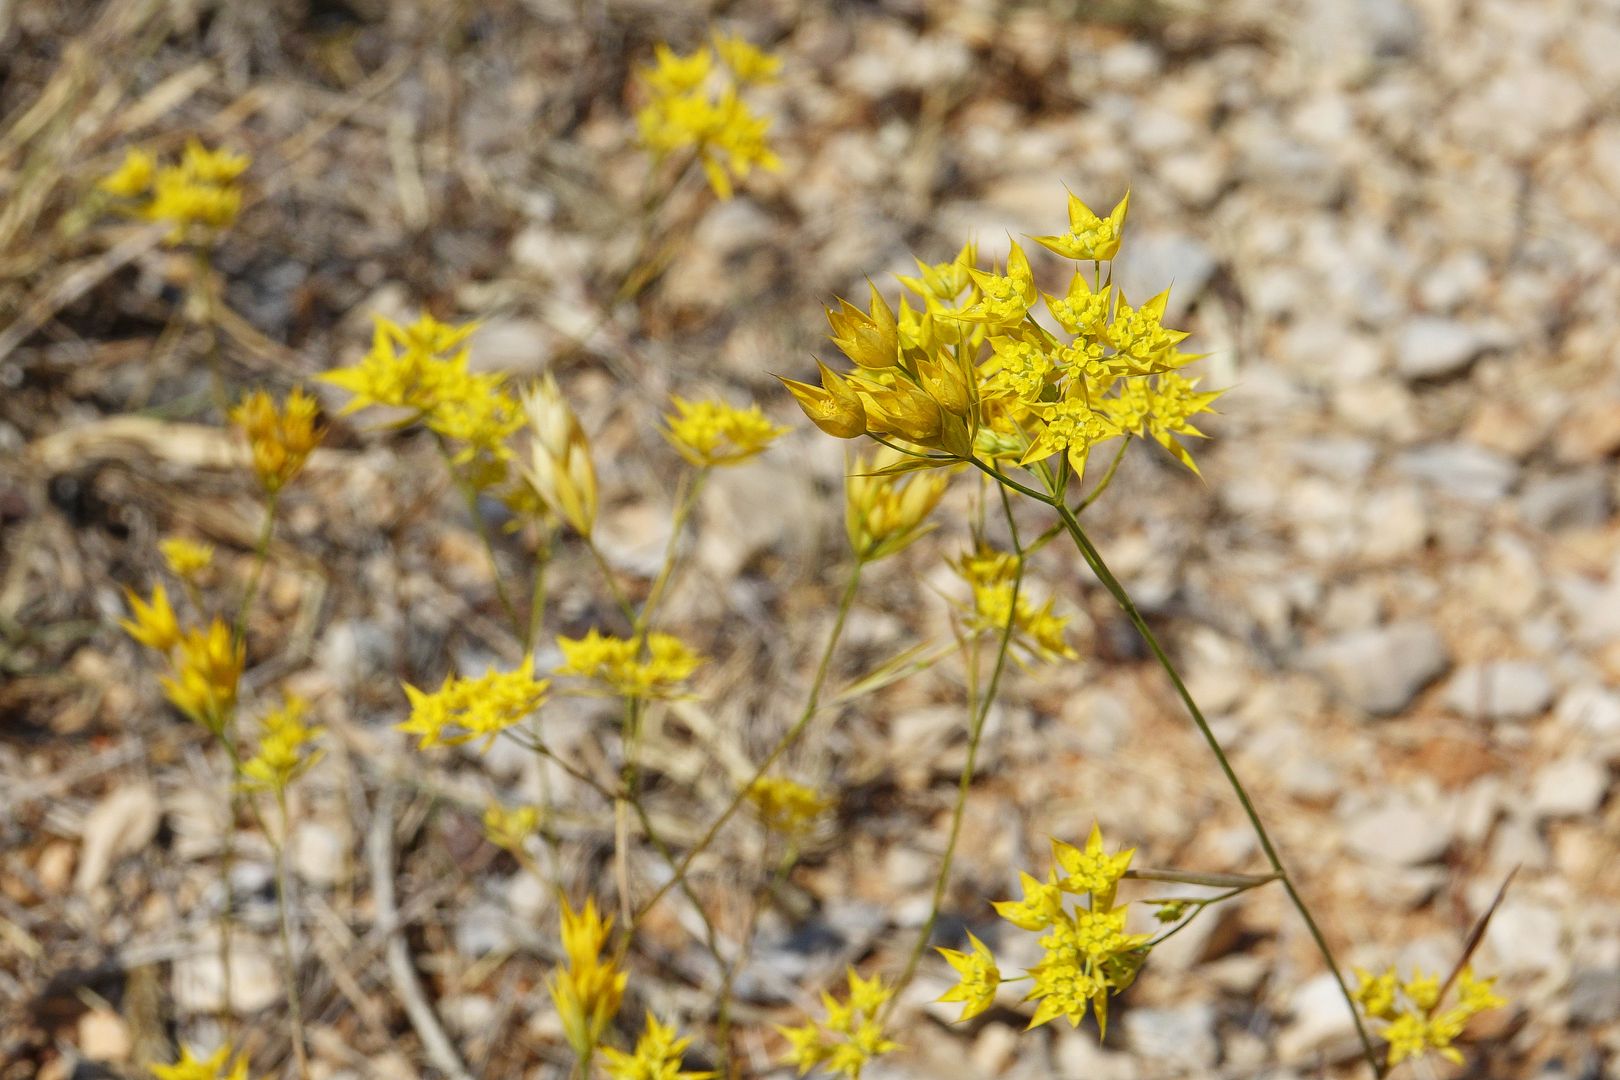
[281,441]
[650,666]
[284,751]
[587,989]
[198,195]
[464,709]
[885,509]
[510,827]
[977,978]
[696,107]
[849,1036]
[969,369]
[186,558]
[1415,1024]
[786,806]
[657,1056]
[216,1066]
[423,367]
[560,471]
[708,433]
[990,575]
[204,665]
[1088,955]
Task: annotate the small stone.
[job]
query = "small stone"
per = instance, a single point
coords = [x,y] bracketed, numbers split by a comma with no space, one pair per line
[55,866]
[1571,787]
[1575,500]
[1594,997]
[104,1036]
[1183,1035]
[1503,690]
[121,824]
[1591,432]
[1461,470]
[198,980]
[994,1049]
[1383,669]
[1321,1018]
[319,853]
[1590,708]
[1526,937]
[1159,259]
[1398,831]
[468,1014]
[1431,348]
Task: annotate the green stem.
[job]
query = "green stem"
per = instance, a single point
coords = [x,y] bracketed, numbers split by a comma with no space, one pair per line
[980,711]
[845,603]
[261,557]
[767,886]
[469,494]
[1094,560]
[537,595]
[289,968]
[626,608]
[204,286]
[685,502]
[1108,477]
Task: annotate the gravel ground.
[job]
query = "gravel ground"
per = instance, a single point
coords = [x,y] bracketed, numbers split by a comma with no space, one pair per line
[1390,223]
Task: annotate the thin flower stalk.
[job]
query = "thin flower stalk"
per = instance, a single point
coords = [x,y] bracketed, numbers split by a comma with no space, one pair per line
[791,736]
[979,710]
[469,494]
[1093,559]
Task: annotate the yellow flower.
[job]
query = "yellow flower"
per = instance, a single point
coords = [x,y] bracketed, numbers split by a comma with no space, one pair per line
[990,574]
[653,666]
[282,441]
[1070,426]
[1091,871]
[1376,993]
[684,113]
[154,624]
[1414,1026]
[464,709]
[657,1056]
[1089,236]
[850,1034]
[748,62]
[1422,990]
[283,752]
[1042,903]
[1141,342]
[1004,298]
[835,407]
[510,827]
[474,410]
[1162,407]
[709,433]
[411,367]
[807,1046]
[207,669]
[885,512]
[586,990]
[977,980]
[198,196]
[560,469]
[1087,957]
[133,177]
[216,1066]
[786,806]
[672,73]
[870,338]
[186,558]
[207,166]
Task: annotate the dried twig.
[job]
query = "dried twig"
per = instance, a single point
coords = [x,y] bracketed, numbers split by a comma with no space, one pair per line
[380,855]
